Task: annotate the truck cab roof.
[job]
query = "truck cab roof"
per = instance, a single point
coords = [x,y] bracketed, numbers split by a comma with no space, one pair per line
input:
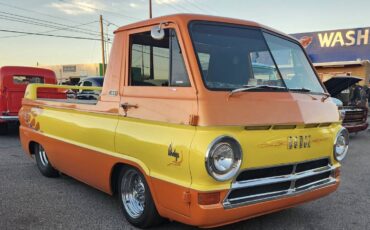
[25,70]
[184,19]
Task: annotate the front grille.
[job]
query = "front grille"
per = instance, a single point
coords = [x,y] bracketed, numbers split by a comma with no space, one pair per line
[305,166]
[355,115]
[263,172]
[263,184]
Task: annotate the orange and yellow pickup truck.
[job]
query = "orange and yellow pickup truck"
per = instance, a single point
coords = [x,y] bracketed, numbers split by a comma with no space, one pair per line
[202,120]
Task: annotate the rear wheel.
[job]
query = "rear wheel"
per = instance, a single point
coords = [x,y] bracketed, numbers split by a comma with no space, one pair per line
[43,163]
[136,200]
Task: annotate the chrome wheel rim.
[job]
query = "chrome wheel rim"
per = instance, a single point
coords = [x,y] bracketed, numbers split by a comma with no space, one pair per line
[43,157]
[133,194]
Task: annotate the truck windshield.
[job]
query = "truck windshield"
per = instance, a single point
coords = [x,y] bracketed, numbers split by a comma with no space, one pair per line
[235,57]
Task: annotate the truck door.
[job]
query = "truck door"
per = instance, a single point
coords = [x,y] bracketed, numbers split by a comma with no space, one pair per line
[158,101]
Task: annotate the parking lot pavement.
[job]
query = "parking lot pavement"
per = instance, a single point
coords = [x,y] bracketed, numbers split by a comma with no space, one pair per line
[31,201]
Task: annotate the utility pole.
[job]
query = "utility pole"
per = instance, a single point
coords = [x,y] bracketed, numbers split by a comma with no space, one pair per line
[150,9]
[102,44]
[151,47]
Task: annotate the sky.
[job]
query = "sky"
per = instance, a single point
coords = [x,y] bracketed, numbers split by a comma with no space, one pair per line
[80,18]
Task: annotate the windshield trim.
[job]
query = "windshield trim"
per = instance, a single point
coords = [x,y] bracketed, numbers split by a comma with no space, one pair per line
[262,30]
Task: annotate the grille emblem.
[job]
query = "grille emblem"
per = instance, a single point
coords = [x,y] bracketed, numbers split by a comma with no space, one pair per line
[299,142]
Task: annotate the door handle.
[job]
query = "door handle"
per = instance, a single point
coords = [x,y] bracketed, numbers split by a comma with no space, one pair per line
[126,106]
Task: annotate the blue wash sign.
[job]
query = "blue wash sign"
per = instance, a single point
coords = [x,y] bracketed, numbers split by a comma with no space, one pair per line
[336,45]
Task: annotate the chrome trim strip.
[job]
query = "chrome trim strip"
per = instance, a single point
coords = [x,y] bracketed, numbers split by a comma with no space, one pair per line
[258,195]
[287,126]
[312,184]
[9,118]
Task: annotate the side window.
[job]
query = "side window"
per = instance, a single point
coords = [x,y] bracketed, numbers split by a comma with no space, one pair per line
[24,80]
[157,62]
[87,83]
[204,59]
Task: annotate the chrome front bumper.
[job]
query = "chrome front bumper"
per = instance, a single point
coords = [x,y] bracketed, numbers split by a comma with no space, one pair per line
[262,184]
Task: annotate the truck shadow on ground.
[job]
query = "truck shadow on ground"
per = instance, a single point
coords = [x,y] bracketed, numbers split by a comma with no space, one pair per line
[12,131]
[360,135]
[111,205]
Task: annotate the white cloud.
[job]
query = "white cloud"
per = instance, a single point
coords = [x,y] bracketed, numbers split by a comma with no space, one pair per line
[77,7]
[133,5]
[159,2]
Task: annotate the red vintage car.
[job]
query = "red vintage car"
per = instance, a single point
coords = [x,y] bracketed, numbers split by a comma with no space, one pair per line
[13,83]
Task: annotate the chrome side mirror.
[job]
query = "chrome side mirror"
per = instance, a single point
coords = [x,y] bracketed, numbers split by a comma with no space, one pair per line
[157,32]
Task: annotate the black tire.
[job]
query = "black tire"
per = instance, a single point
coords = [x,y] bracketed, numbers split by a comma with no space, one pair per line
[3,128]
[149,215]
[43,163]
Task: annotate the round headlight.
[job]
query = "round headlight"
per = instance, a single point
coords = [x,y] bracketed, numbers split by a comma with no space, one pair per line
[341,144]
[223,158]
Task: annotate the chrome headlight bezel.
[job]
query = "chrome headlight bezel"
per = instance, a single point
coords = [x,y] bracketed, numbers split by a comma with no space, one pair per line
[343,137]
[226,142]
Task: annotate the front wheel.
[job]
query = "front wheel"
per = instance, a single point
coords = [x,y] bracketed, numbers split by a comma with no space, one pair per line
[136,200]
[43,163]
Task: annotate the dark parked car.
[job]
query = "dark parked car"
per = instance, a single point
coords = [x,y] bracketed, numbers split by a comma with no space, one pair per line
[354,116]
[90,94]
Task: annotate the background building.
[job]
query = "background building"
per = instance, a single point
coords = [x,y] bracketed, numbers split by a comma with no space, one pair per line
[339,52]
[74,72]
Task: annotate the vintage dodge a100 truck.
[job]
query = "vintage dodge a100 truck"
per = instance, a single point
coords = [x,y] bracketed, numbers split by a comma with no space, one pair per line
[189,127]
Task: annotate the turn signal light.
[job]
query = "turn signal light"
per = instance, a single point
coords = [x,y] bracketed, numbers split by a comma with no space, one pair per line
[208,198]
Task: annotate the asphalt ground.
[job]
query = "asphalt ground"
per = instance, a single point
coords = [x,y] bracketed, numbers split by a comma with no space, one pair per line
[30,201]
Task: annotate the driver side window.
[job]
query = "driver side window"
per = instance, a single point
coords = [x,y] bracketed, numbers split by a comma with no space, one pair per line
[157,62]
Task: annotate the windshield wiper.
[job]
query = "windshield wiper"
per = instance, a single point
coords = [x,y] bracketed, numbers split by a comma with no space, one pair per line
[253,87]
[326,95]
[300,89]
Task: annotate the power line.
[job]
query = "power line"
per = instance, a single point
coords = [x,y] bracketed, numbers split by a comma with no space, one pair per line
[84,24]
[177,8]
[49,35]
[108,22]
[196,6]
[209,8]
[182,6]
[44,25]
[37,12]
[44,22]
